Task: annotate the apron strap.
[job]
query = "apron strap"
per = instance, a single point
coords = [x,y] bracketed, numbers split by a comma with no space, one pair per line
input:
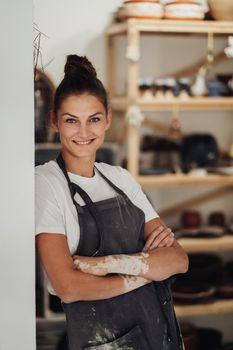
[74,188]
[61,163]
[117,189]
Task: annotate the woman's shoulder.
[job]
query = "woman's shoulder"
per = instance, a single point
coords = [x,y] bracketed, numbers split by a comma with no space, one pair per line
[48,168]
[49,172]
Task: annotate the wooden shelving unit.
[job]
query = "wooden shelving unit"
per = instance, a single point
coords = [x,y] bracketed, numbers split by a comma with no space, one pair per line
[216,244]
[196,245]
[175,180]
[220,306]
[119,103]
[171,26]
[134,29]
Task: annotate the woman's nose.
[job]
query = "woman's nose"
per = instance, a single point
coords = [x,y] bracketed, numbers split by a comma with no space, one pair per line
[83,130]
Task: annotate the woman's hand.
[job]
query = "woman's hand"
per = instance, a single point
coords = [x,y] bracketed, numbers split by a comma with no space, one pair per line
[160,237]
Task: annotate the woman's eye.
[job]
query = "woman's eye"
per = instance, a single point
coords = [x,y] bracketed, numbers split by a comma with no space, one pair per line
[94,120]
[70,120]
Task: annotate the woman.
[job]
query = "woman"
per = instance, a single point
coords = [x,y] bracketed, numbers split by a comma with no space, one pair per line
[100,241]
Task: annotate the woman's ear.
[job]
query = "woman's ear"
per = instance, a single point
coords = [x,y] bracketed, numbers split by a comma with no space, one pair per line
[109,120]
[53,121]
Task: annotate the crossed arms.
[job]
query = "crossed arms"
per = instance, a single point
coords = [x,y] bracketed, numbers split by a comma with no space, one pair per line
[94,278]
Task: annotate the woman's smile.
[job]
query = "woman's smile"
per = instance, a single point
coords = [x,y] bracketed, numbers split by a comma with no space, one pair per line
[87,142]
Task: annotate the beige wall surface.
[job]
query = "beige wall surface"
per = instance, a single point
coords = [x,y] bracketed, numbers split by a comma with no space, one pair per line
[17,291]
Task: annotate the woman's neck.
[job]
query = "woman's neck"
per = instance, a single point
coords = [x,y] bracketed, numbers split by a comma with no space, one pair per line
[79,166]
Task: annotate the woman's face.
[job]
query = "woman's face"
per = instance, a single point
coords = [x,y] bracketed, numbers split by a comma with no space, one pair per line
[81,123]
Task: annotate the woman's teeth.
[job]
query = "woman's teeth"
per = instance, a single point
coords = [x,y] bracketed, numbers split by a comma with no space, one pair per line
[83,142]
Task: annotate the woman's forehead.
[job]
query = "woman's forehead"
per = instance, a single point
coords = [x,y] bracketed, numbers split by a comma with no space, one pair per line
[81,104]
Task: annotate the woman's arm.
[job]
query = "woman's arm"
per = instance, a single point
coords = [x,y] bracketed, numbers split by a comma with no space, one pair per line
[72,285]
[157,264]
[164,257]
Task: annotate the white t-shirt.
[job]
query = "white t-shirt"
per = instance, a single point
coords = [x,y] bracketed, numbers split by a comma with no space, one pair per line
[55,211]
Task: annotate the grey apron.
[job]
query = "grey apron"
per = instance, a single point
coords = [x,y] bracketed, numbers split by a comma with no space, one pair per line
[142,319]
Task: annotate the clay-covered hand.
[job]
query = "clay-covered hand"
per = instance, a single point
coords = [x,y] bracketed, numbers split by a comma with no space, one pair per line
[134,264]
[160,237]
[92,265]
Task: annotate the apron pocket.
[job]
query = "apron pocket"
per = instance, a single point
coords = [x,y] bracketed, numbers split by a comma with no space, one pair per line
[133,340]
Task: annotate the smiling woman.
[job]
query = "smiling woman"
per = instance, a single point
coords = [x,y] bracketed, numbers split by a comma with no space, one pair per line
[81,123]
[99,239]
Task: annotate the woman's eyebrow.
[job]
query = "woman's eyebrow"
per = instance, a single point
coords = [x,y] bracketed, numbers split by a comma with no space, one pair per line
[71,115]
[95,114]
[74,116]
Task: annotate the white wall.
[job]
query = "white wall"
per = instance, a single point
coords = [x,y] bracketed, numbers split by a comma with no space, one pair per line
[17,286]
[73,26]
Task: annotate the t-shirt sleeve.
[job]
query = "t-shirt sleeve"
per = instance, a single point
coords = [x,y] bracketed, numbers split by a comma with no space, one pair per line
[137,196]
[48,216]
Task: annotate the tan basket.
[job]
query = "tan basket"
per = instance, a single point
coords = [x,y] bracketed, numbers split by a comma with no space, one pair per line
[221,10]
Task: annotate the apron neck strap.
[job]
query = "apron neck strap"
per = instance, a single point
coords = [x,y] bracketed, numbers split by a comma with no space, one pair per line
[117,189]
[72,186]
[90,205]
[61,163]
[75,188]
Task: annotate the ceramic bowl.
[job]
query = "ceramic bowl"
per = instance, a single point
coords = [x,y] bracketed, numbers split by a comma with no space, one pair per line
[221,10]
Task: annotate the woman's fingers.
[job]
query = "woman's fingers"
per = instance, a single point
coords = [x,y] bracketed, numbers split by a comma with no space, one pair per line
[152,237]
[168,241]
[161,237]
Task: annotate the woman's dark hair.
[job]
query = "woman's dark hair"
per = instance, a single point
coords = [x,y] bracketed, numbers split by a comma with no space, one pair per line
[80,78]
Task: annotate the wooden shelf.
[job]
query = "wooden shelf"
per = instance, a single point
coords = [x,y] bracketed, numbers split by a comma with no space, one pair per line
[192,103]
[217,244]
[132,29]
[171,26]
[174,180]
[220,306]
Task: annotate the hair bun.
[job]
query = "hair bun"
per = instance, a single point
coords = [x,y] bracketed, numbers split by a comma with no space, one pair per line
[79,65]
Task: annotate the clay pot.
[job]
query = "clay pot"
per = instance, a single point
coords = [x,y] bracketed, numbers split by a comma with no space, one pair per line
[205,267]
[209,338]
[225,286]
[225,289]
[191,291]
[221,10]
[189,334]
[217,219]
[191,219]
